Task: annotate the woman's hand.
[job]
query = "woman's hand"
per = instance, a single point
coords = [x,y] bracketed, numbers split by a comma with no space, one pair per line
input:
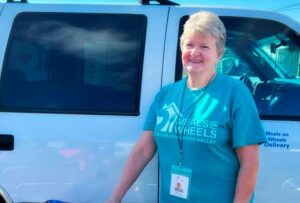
[140,155]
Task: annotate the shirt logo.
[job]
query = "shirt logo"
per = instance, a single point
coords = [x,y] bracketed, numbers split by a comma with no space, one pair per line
[167,117]
[170,123]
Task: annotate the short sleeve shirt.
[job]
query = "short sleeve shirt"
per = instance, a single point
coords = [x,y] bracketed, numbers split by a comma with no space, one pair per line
[214,121]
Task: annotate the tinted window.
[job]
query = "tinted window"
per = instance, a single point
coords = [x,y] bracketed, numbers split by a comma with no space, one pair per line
[78,63]
[266,60]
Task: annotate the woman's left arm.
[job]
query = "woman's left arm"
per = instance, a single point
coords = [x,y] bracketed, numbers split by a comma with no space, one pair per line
[249,163]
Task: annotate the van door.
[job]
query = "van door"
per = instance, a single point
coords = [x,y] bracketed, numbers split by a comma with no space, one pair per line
[76,84]
[262,50]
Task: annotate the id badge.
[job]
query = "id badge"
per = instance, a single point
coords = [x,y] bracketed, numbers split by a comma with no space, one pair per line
[180,181]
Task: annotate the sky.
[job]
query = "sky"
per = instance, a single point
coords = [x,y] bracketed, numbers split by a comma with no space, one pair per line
[287,7]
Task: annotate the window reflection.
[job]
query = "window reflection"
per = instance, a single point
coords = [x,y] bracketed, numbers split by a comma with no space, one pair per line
[267,61]
[74,63]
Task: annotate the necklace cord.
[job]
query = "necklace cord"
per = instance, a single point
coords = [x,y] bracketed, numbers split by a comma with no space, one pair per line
[180,137]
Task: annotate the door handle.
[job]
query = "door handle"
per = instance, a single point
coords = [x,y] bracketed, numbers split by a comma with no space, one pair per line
[6,142]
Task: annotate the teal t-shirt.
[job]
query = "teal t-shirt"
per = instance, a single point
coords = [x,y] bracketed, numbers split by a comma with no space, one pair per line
[214,121]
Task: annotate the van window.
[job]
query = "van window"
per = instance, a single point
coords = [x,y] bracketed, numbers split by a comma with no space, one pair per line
[76,63]
[266,60]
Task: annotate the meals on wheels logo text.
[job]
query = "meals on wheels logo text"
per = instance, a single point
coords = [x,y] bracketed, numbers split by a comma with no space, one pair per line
[192,128]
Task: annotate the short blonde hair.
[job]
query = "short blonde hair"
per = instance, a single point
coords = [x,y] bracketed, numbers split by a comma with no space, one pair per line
[205,22]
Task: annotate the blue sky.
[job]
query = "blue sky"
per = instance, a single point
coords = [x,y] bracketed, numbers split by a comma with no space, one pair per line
[288,7]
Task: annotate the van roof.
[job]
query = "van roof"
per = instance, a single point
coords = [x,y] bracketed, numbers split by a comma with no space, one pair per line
[142,2]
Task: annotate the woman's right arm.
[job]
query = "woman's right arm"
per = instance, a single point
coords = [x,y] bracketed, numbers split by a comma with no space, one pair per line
[141,154]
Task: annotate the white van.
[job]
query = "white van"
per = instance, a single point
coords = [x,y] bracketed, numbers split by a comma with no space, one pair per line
[77,81]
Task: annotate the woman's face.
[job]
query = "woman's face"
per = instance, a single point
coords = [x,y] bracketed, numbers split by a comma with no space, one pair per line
[199,54]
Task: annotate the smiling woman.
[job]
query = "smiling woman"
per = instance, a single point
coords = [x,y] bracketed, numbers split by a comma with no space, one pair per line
[202,45]
[202,115]
[199,55]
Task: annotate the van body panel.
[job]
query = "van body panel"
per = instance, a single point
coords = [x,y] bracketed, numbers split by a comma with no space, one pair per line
[73,157]
[1,7]
[79,157]
[279,175]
